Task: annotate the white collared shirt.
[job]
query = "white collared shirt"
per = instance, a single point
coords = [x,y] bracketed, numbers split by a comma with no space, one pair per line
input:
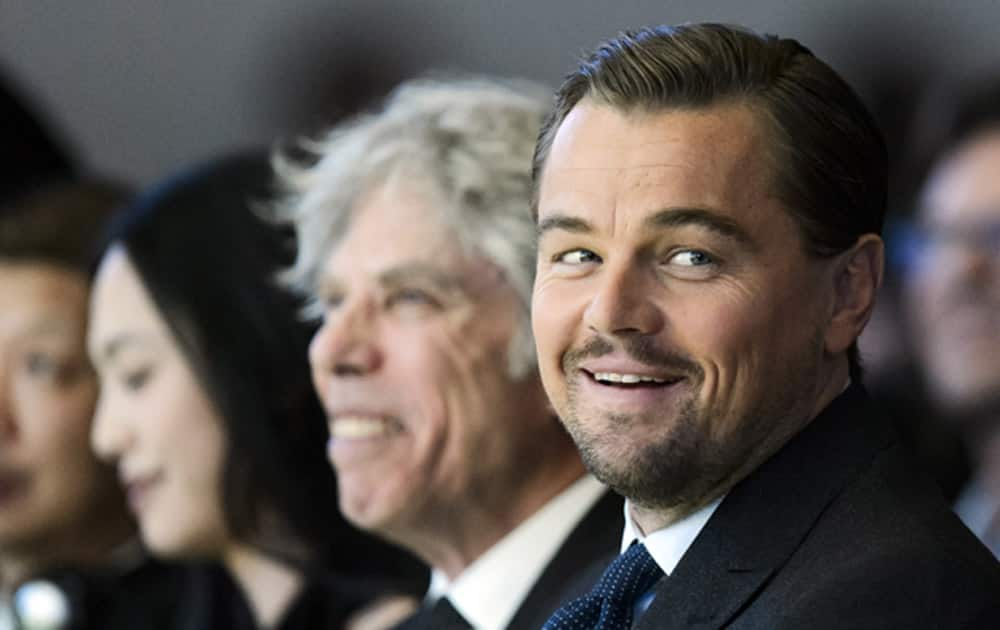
[979,510]
[490,590]
[667,546]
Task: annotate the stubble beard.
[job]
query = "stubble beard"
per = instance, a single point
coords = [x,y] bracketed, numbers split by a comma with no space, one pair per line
[682,466]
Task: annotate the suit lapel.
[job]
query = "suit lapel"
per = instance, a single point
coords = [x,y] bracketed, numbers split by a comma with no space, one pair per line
[765,517]
[590,547]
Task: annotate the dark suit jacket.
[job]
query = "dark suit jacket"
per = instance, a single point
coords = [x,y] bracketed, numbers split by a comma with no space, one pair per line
[590,546]
[838,530]
[213,601]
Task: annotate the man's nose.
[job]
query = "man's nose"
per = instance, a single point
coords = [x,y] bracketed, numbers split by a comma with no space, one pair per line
[8,415]
[345,344]
[623,303]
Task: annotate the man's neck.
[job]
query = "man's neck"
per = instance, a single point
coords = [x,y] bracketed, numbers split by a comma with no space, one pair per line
[456,540]
[72,547]
[649,519]
[22,563]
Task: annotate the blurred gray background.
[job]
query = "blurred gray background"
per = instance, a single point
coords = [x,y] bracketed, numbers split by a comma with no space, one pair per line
[138,88]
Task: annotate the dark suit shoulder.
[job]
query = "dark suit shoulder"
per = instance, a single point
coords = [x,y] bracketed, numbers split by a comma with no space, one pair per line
[888,552]
[838,530]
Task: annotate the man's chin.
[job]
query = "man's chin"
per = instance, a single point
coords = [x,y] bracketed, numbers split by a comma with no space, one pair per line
[371,510]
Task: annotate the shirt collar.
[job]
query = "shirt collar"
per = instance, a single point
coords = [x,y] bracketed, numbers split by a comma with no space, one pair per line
[668,545]
[490,590]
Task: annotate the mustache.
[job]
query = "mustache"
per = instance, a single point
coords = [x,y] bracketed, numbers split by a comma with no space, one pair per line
[638,348]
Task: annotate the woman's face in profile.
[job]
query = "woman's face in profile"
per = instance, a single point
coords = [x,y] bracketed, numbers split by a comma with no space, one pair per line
[153,418]
[52,487]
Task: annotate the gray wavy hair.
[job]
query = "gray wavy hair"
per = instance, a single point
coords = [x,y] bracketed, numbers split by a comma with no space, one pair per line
[471,141]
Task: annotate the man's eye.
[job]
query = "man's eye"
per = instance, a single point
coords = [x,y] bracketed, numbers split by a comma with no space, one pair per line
[691,258]
[39,364]
[331,300]
[410,296]
[577,257]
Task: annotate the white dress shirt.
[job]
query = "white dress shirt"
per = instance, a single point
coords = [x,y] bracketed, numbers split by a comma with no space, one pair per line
[490,590]
[980,511]
[667,545]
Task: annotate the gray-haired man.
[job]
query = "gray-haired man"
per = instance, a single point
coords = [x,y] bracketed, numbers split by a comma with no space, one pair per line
[417,243]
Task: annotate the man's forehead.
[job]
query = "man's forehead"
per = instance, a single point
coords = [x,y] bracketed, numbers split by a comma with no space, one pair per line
[466,271]
[699,131]
[964,186]
[608,160]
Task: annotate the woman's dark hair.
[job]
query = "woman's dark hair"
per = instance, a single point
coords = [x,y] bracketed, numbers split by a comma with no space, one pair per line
[209,261]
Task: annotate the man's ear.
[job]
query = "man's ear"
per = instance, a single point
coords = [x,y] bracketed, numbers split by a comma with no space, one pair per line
[857,278]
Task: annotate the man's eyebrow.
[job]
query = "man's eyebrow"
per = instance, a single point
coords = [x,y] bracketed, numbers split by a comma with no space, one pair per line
[50,327]
[722,225]
[563,222]
[419,272]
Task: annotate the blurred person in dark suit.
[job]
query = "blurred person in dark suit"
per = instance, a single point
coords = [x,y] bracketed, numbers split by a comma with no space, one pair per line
[416,244]
[69,557]
[207,409]
[951,256]
[709,203]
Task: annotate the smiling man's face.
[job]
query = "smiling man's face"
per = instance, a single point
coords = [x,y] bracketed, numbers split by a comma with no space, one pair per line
[411,364]
[679,321]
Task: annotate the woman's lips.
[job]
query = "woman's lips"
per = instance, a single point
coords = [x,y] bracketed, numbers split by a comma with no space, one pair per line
[139,491]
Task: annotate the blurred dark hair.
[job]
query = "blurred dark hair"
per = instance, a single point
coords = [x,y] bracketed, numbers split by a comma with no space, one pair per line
[59,223]
[948,115]
[827,154]
[33,155]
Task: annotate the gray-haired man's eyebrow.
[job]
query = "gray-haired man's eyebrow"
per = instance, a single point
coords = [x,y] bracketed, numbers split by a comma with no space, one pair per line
[721,225]
[421,273]
[563,222]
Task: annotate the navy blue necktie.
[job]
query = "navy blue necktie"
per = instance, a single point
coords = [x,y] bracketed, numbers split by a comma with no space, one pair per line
[609,605]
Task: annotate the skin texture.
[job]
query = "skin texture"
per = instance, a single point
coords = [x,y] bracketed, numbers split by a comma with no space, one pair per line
[663,254]
[446,452]
[953,292]
[58,503]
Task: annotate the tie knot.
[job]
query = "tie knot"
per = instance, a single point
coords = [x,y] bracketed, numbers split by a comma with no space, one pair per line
[630,575]
[609,605]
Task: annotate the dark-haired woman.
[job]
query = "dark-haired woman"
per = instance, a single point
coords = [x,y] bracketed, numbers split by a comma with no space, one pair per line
[207,408]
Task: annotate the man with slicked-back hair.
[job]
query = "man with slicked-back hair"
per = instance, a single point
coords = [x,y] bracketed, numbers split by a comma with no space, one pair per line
[709,203]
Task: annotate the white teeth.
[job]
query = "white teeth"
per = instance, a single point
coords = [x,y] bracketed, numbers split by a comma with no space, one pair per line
[628,379]
[356,428]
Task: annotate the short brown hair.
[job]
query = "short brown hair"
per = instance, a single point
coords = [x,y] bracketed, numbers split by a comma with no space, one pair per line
[828,156]
[59,223]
